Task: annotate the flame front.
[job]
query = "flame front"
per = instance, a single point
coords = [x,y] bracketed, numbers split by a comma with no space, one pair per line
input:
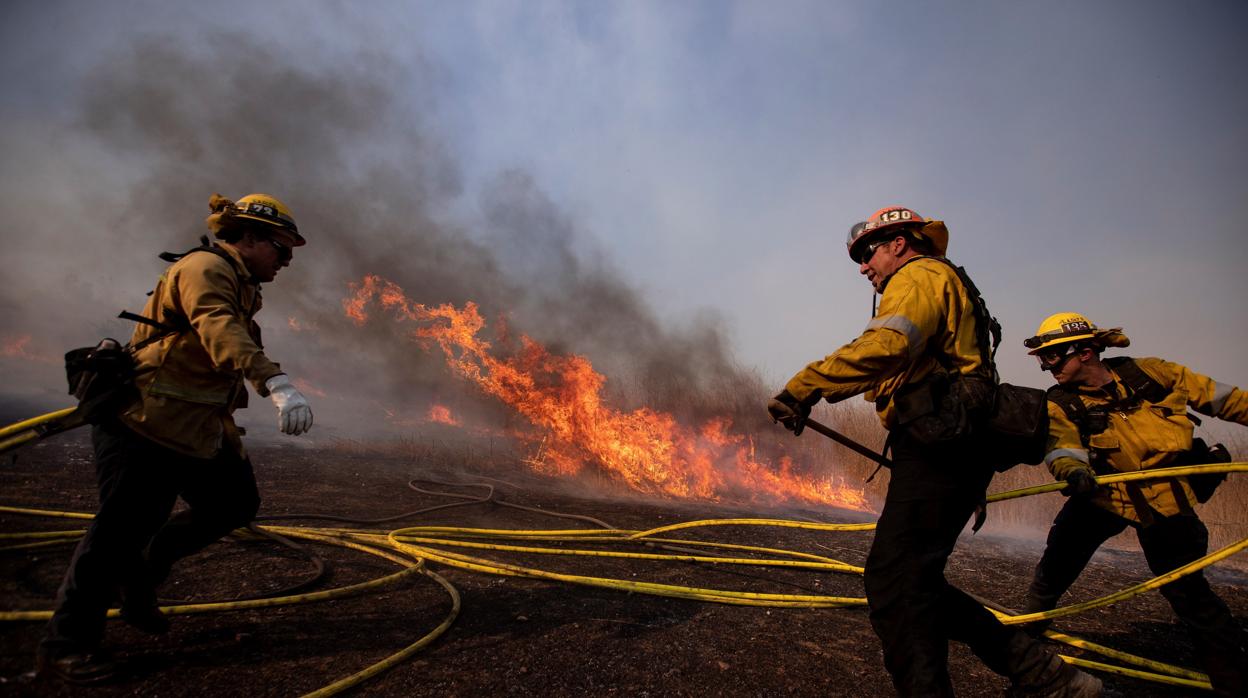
[562,397]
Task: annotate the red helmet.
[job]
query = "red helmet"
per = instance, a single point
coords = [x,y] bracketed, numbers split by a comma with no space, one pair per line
[887,218]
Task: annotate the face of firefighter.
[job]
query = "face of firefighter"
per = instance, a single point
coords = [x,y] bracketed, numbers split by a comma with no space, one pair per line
[881,259]
[265,255]
[1082,367]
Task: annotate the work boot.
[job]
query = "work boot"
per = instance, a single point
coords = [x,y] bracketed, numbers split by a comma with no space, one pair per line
[139,610]
[149,619]
[1037,671]
[78,668]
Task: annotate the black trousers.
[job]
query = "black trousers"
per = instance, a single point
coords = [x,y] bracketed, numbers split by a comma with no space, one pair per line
[133,542]
[1170,542]
[915,612]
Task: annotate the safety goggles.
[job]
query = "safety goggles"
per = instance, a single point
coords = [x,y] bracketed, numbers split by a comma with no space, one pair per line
[284,252]
[1055,358]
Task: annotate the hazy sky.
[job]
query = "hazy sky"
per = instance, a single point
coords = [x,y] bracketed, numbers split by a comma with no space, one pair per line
[1086,156]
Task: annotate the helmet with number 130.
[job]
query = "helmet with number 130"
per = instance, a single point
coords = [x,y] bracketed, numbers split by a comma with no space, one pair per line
[895,220]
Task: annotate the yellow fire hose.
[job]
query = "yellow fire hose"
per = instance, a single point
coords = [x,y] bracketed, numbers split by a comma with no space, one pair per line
[41,420]
[412,546]
[39,427]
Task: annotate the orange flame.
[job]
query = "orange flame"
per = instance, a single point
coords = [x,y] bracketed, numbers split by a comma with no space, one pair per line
[562,397]
[441,414]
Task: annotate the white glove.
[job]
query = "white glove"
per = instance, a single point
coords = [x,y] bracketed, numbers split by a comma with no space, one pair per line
[294,416]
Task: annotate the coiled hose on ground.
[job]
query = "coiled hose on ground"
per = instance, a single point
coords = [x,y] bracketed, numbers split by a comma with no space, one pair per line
[412,547]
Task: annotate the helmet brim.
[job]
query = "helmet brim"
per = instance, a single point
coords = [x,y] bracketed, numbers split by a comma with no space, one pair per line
[1112,337]
[938,234]
[292,232]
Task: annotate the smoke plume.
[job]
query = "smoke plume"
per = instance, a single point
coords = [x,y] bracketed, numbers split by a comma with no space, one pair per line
[375,190]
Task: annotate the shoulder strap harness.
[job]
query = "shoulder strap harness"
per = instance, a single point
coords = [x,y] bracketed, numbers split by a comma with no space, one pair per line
[987,329]
[205,245]
[1139,387]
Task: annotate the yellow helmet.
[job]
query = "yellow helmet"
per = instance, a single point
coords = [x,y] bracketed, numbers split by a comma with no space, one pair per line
[1063,328]
[270,211]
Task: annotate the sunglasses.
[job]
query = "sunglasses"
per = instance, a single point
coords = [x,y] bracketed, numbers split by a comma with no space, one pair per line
[283,251]
[869,251]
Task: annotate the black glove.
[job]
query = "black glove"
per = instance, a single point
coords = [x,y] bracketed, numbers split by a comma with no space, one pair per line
[1080,483]
[787,410]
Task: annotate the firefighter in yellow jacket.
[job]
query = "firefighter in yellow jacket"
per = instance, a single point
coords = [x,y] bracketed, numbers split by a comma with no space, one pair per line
[197,345]
[924,361]
[1122,415]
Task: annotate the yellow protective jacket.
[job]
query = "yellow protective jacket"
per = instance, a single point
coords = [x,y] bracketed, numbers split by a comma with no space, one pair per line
[1151,435]
[192,381]
[924,312]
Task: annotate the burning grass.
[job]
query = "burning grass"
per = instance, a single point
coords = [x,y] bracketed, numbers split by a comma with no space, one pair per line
[571,426]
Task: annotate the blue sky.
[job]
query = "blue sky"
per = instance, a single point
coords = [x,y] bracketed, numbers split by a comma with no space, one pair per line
[1086,156]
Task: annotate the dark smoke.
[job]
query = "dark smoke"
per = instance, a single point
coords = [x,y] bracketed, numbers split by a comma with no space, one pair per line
[372,186]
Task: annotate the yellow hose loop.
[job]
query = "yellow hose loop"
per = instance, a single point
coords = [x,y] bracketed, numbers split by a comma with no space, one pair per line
[1150,474]
[781,523]
[1136,674]
[34,546]
[15,441]
[1135,590]
[753,548]
[720,596]
[403,654]
[503,532]
[42,534]
[1160,667]
[46,512]
[832,567]
[833,563]
[35,421]
[186,609]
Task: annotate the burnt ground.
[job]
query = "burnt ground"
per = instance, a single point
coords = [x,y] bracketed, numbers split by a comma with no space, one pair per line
[518,636]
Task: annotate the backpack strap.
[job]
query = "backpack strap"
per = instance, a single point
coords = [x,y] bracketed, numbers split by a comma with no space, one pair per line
[987,329]
[205,245]
[1075,410]
[1140,386]
[1144,387]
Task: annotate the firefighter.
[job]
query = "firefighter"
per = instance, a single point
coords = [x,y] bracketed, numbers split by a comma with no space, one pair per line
[923,361]
[1122,415]
[176,437]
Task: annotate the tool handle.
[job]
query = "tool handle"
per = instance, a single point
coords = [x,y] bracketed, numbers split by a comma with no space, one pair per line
[847,442]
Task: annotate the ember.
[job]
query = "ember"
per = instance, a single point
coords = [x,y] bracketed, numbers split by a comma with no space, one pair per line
[17,348]
[441,414]
[561,396]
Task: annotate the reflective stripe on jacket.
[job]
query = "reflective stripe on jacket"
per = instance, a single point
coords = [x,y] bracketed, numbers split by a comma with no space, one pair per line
[924,312]
[1150,435]
[191,382]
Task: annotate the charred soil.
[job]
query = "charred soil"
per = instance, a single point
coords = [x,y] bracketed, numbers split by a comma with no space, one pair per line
[519,636]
